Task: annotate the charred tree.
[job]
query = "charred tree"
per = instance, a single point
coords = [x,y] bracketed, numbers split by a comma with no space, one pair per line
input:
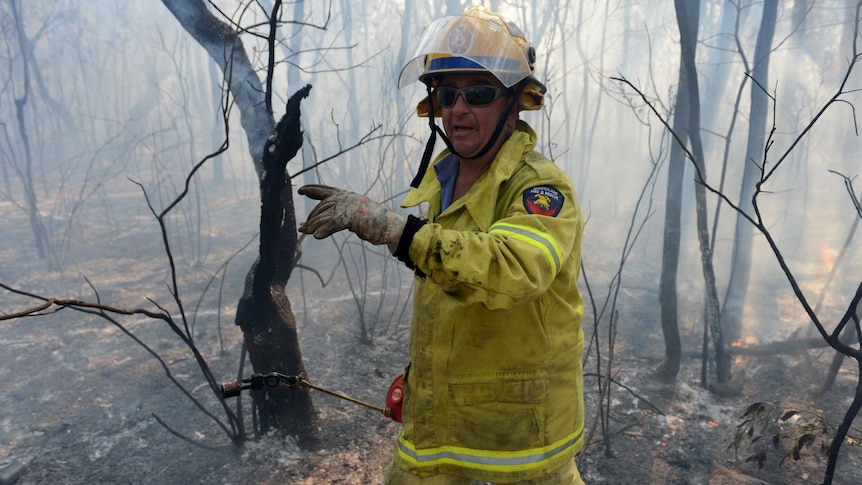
[672,228]
[264,312]
[26,171]
[740,272]
[852,316]
[688,19]
[686,126]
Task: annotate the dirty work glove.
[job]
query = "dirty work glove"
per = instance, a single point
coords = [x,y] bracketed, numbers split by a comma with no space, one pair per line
[340,209]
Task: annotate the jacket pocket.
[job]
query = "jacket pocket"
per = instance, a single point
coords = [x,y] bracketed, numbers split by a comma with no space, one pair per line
[501,411]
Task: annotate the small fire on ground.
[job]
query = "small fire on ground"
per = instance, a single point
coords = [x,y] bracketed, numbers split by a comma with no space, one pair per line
[744,342]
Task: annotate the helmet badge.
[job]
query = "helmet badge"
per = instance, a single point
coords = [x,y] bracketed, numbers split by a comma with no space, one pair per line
[460,40]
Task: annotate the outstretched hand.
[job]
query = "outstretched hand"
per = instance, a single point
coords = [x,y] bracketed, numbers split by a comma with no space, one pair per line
[340,209]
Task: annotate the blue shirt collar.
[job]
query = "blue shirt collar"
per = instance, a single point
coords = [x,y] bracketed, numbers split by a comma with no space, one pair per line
[447,173]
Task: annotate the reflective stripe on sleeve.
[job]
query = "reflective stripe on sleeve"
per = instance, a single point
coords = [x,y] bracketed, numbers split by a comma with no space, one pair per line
[534,238]
[499,461]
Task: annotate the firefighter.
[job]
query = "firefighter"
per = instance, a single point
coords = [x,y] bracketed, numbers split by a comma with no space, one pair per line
[493,390]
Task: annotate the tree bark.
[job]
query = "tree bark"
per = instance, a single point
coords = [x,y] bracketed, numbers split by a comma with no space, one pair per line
[688,18]
[672,229]
[32,204]
[263,312]
[734,300]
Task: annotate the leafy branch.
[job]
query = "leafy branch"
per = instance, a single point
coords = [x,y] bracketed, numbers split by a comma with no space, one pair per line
[767,425]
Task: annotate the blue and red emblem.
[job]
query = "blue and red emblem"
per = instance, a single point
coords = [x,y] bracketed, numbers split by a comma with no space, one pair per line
[460,40]
[543,200]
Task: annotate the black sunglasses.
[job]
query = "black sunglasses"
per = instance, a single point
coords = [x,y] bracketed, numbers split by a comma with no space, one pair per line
[473,95]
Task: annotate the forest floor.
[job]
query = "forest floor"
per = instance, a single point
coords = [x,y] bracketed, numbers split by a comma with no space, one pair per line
[84,403]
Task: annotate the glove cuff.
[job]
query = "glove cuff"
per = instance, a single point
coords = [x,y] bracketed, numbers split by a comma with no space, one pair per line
[402,252]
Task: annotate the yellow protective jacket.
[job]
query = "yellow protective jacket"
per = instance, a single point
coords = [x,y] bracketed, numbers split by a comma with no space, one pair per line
[494,387]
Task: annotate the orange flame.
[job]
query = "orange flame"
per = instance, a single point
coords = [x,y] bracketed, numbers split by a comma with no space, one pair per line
[750,340]
[827,255]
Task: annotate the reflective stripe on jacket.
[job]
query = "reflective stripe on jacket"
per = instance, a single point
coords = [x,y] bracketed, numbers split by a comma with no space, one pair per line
[494,388]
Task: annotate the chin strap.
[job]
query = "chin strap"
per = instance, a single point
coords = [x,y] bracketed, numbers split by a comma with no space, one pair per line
[429,146]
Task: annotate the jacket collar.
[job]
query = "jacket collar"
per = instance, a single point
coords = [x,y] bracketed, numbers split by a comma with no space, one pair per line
[521,141]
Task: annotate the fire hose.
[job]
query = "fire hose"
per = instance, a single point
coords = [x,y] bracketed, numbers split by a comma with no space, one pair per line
[257,381]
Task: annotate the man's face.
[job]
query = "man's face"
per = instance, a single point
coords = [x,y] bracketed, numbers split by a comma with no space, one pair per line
[470,127]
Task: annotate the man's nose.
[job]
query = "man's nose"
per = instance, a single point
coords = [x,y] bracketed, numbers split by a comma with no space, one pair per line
[460,103]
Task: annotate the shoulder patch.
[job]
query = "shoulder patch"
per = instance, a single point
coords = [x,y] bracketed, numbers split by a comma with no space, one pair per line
[543,200]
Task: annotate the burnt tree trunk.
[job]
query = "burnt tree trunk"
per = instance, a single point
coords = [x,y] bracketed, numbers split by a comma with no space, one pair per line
[668,297]
[264,313]
[688,17]
[755,157]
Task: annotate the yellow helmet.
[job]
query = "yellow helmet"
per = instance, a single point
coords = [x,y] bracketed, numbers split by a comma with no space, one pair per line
[477,41]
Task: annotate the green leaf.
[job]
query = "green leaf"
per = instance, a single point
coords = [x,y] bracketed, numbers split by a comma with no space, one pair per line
[754,408]
[789,414]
